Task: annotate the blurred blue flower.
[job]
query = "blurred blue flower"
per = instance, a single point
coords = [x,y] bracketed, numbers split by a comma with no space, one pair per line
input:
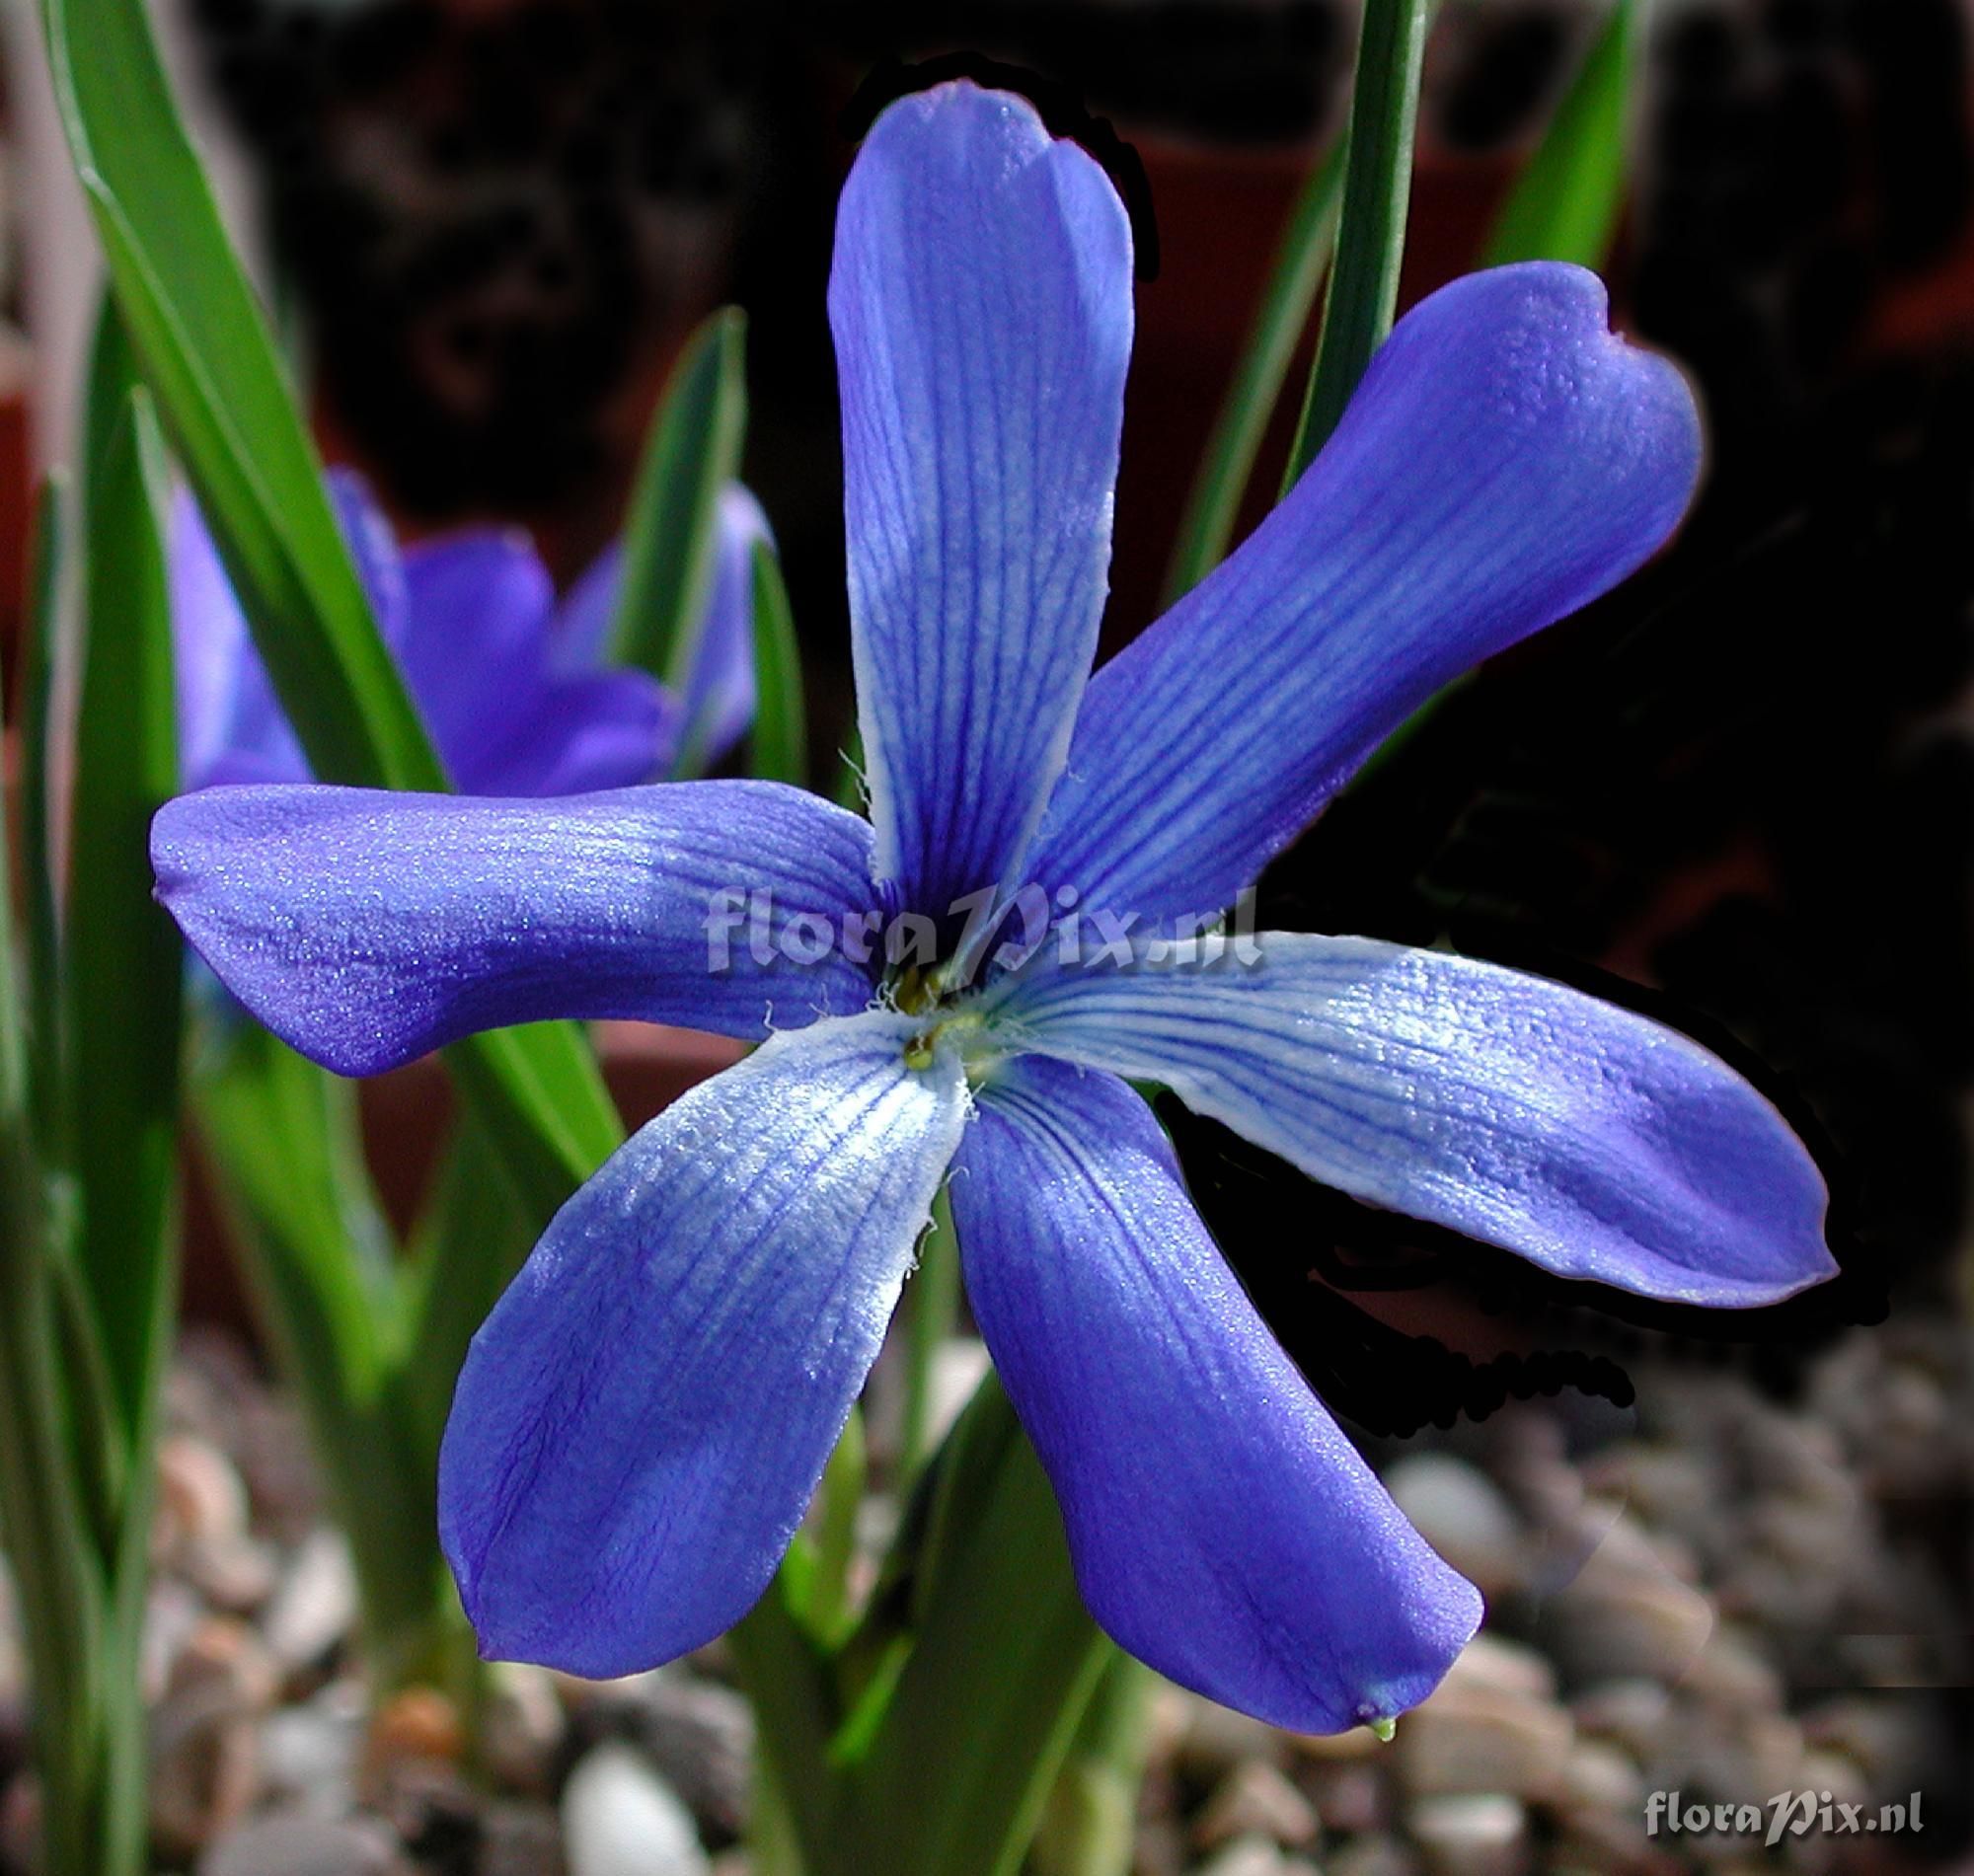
[512,689]
[644,1415]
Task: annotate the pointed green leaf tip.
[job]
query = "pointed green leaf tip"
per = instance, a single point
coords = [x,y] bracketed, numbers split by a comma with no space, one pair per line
[1387,1729]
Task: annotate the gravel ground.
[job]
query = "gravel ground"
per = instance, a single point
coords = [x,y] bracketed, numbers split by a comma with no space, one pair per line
[1713,1595]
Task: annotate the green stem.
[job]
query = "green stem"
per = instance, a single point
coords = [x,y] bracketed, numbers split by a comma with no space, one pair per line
[1377,185]
[933,1312]
[1301,260]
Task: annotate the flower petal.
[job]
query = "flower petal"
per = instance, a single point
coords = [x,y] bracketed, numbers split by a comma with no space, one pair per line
[231,724]
[610,729]
[644,1417]
[373,545]
[1504,461]
[981,302]
[1594,1141]
[365,928]
[475,647]
[230,727]
[720,687]
[1222,1529]
[479,655]
[582,632]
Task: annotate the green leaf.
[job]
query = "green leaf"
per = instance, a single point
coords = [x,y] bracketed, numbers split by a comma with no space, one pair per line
[205,353]
[282,1142]
[207,356]
[42,1013]
[1090,1824]
[1003,1662]
[671,535]
[787,1679]
[122,964]
[1301,260]
[470,1241]
[542,1099]
[777,742]
[1565,205]
[1377,186]
[849,791]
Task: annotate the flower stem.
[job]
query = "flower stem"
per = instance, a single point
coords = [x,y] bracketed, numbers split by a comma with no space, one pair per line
[1377,186]
[935,1309]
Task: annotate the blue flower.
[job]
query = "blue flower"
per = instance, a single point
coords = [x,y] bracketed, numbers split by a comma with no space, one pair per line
[645,1414]
[512,689]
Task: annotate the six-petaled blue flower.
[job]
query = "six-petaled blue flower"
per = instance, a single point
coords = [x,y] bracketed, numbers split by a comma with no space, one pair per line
[511,688]
[644,1415]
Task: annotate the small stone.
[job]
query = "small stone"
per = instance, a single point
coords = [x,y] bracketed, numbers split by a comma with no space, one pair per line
[1634,1713]
[309,1754]
[1245,1856]
[20,1823]
[1879,1731]
[1770,1747]
[1346,1747]
[1469,1736]
[204,1776]
[619,1818]
[1371,1856]
[1508,1667]
[315,1605]
[1731,1677]
[1597,1777]
[522,1727]
[697,1734]
[419,1723]
[1215,1739]
[1255,1800]
[1627,1614]
[1350,1800]
[200,1499]
[235,1574]
[1477,1834]
[1463,1516]
[520,1839]
[1837,1773]
[301,1846]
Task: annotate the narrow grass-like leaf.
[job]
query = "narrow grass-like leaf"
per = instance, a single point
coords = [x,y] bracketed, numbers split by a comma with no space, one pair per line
[121,967]
[1563,207]
[787,1679]
[205,353]
[1565,204]
[777,742]
[932,1309]
[1302,258]
[280,1135]
[207,356]
[692,450]
[1090,1824]
[41,1015]
[1371,239]
[470,1241]
[1003,1662]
